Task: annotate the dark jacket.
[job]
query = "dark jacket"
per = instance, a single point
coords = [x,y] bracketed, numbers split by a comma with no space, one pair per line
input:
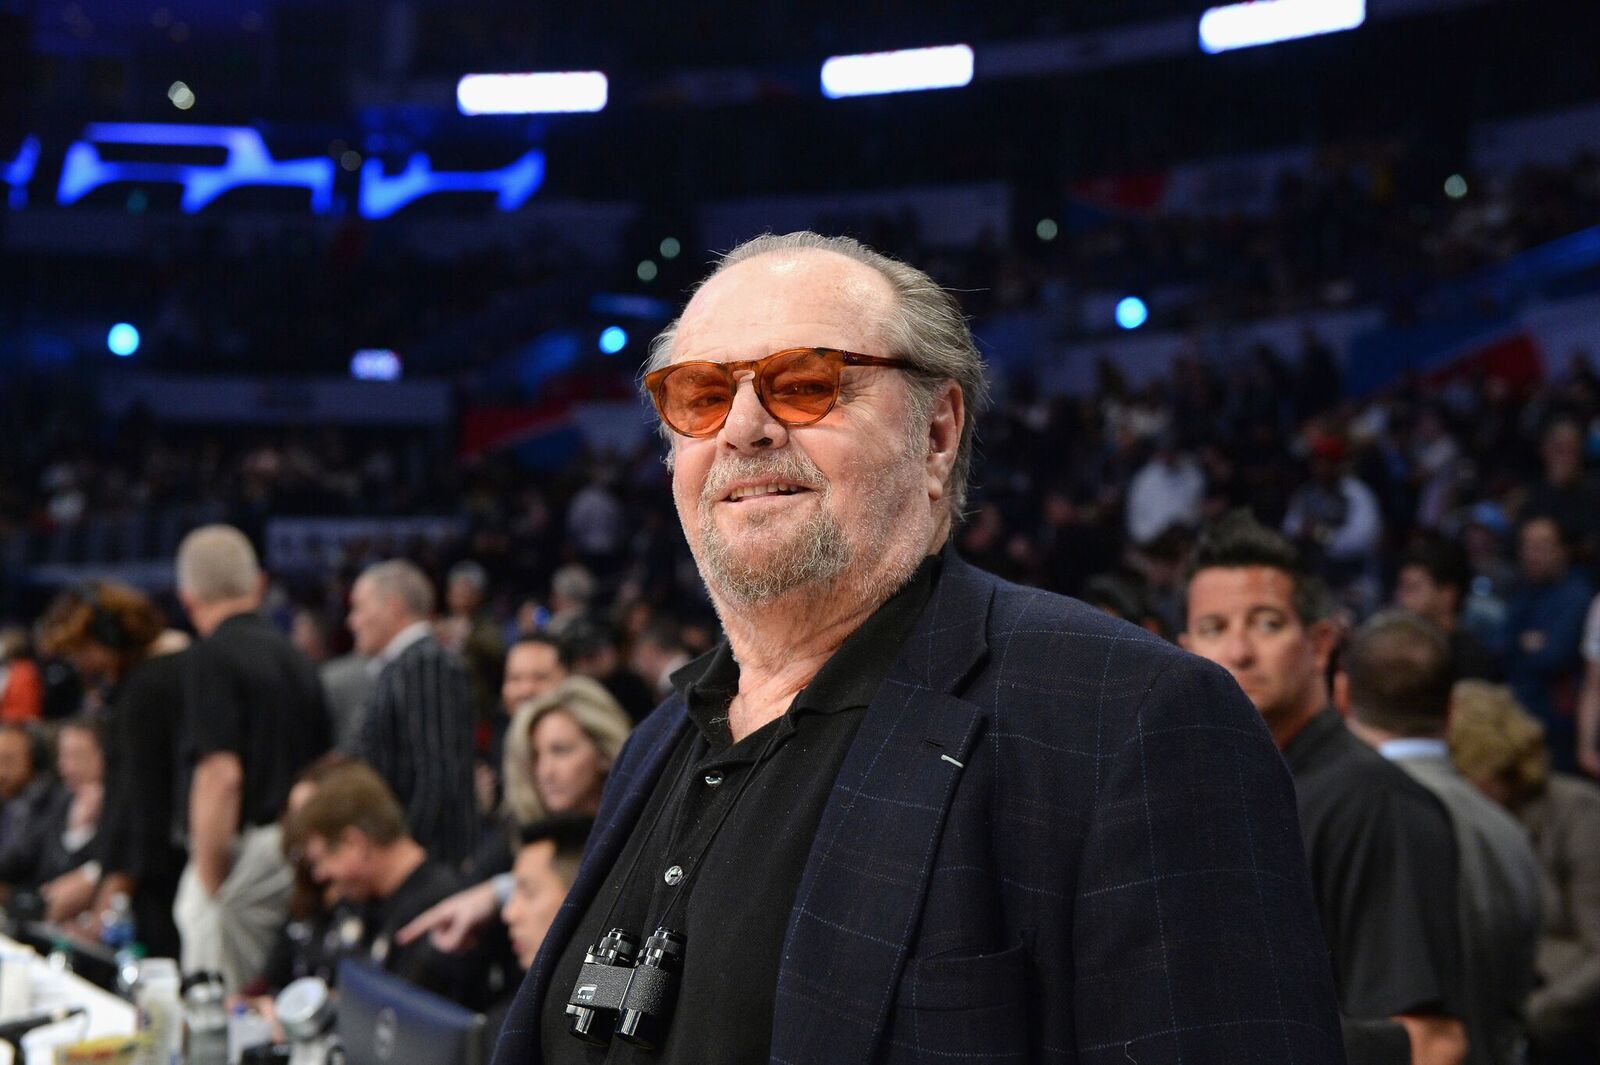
[1055,839]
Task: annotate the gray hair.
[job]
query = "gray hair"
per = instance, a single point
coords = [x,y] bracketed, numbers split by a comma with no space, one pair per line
[470,572]
[216,562]
[404,582]
[927,329]
[573,581]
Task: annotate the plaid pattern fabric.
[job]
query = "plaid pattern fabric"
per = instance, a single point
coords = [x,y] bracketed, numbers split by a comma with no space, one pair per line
[1055,839]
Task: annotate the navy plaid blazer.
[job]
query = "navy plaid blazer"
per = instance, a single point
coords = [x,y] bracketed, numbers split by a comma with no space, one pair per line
[1055,838]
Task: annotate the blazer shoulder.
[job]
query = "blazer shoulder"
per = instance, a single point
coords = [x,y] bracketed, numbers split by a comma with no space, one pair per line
[1033,613]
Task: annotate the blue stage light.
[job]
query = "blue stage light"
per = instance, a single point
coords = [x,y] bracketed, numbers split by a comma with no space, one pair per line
[122,340]
[613,338]
[1131,312]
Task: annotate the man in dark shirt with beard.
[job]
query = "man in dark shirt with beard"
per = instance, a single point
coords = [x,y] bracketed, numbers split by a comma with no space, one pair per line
[906,812]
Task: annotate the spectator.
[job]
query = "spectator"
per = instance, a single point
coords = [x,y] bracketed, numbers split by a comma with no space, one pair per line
[21,685]
[572,589]
[1543,631]
[353,831]
[1165,493]
[1564,493]
[1335,517]
[1500,748]
[71,833]
[657,653]
[1382,854]
[417,731]
[29,792]
[559,750]
[591,648]
[471,634]
[547,862]
[254,717]
[533,669]
[1432,583]
[345,678]
[1395,690]
[558,753]
[114,636]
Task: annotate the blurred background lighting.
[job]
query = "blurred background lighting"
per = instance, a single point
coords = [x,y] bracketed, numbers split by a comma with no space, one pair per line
[181,95]
[1455,186]
[1259,22]
[1131,312]
[1047,229]
[647,270]
[122,340]
[670,248]
[531,94]
[375,364]
[613,338]
[912,70]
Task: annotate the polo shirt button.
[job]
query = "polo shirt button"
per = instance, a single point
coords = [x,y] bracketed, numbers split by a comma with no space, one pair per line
[713,780]
[674,876]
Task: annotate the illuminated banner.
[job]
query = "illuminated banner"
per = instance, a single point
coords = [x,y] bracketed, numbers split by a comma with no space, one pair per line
[250,164]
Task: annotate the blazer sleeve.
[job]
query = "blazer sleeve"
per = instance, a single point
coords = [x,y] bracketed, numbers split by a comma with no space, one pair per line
[1195,931]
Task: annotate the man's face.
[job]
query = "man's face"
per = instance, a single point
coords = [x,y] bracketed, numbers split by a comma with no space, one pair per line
[463,596]
[16,763]
[534,900]
[857,486]
[1244,620]
[532,670]
[346,864]
[1415,590]
[375,617]
[78,758]
[1544,559]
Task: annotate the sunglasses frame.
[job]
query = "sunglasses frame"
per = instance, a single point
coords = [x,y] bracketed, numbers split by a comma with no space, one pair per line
[834,358]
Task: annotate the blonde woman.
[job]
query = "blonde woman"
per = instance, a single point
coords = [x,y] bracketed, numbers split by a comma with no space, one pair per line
[1501,748]
[559,749]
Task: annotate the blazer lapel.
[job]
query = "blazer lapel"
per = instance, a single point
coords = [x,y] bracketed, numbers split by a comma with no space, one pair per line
[858,903]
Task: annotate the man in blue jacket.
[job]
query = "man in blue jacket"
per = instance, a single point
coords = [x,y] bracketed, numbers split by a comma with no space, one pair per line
[907,812]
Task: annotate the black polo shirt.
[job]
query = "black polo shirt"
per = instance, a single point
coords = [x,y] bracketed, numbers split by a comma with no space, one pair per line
[246,689]
[734,911]
[1383,866]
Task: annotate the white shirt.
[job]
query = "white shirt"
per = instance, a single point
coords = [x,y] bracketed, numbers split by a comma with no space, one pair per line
[402,639]
[1164,494]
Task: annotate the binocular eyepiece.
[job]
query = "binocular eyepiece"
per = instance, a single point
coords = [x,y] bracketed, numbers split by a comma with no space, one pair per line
[626,991]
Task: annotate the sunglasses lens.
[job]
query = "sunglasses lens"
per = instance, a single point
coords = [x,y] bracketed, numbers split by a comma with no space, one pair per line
[800,387]
[695,399]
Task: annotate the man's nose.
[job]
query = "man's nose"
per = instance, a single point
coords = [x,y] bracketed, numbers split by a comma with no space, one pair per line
[749,425]
[1239,649]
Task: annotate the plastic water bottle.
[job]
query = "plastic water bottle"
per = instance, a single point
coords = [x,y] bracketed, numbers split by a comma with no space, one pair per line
[161,1010]
[116,923]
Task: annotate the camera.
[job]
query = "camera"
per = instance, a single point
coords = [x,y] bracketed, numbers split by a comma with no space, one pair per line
[601,986]
[651,994]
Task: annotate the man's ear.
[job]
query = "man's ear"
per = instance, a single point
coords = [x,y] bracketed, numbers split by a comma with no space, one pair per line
[1341,693]
[1324,637]
[944,436]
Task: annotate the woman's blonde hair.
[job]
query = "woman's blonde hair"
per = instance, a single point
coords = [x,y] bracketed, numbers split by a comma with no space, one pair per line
[596,712]
[1493,738]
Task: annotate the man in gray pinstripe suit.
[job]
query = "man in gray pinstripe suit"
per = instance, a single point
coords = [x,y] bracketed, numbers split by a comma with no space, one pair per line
[417,728]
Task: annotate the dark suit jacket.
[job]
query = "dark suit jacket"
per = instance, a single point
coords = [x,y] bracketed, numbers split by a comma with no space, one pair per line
[1055,838]
[417,733]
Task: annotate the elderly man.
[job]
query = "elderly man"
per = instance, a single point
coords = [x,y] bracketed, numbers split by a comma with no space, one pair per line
[417,731]
[906,812]
[253,718]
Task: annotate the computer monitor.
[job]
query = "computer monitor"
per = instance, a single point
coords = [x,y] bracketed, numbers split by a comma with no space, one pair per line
[383,1020]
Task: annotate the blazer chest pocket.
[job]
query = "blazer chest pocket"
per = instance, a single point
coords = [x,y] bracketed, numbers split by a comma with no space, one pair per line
[965,981]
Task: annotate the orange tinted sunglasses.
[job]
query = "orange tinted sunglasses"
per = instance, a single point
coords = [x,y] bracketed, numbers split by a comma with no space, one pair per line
[797,386]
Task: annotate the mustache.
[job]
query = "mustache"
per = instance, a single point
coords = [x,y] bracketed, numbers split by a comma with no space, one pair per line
[787,466]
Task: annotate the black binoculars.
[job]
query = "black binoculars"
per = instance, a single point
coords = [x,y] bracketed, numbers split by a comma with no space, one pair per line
[626,991]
